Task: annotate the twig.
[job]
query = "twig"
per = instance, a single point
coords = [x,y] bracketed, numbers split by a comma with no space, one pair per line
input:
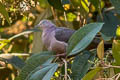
[109,9]
[23,33]
[110,66]
[115,75]
[100,10]
[65,68]
[69,77]
[65,16]
[54,14]
[16,54]
[117,78]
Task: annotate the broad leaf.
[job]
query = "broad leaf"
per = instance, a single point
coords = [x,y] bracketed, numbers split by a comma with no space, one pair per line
[90,75]
[83,37]
[35,61]
[44,72]
[4,12]
[100,50]
[116,51]
[111,21]
[116,70]
[116,3]
[81,65]
[14,60]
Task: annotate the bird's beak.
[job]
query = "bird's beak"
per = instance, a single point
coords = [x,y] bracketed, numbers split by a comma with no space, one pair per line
[36,26]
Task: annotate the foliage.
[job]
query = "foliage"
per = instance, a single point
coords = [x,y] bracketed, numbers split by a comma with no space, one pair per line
[93,51]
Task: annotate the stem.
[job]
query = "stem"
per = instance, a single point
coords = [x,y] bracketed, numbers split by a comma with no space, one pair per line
[117,78]
[101,16]
[54,14]
[110,66]
[109,9]
[65,68]
[65,16]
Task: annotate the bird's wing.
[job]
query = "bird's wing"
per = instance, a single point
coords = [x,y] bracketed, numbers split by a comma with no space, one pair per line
[63,34]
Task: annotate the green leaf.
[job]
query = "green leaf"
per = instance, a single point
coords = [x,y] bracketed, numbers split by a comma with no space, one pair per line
[84,5]
[4,12]
[81,65]
[116,51]
[24,33]
[14,60]
[111,21]
[118,32]
[35,61]
[44,72]
[90,75]
[116,4]
[82,38]
[105,38]
[100,50]
[56,4]
[116,70]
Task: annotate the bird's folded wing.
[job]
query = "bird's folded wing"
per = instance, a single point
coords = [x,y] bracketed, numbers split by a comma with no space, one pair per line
[63,34]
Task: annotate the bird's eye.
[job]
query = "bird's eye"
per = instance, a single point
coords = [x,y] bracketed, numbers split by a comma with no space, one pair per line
[43,22]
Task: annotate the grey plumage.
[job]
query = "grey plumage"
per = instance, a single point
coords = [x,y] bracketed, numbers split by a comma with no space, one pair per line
[63,34]
[55,38]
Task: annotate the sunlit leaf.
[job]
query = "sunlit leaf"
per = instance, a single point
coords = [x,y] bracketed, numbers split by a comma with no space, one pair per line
[83,37]
[3,43]
[116,51]
[44,72]
[81,65]
[116,70]
[71,16]
[90,75]
[85,5]
[100,50]
[118,32]
[4,12]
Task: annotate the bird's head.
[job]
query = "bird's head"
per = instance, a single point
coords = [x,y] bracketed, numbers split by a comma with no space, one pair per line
[45,24]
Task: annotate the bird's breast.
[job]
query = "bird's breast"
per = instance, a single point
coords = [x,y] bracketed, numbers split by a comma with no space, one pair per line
[46,38]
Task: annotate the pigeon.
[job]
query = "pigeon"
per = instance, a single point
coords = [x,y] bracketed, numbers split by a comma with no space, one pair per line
[54,38]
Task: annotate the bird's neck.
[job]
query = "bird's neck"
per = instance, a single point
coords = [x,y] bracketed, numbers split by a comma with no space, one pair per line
[49,30]
[46,35]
